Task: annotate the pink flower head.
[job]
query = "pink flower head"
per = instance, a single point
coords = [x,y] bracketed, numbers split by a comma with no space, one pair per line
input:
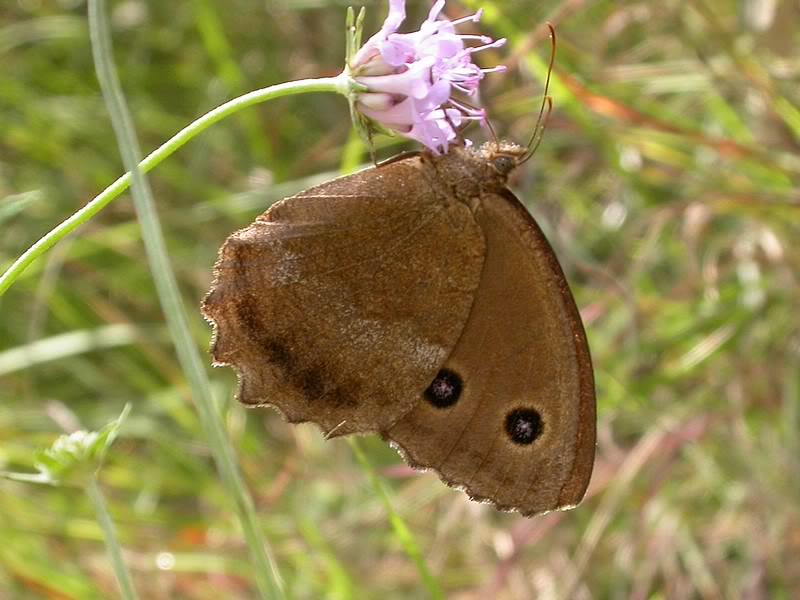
[410,77]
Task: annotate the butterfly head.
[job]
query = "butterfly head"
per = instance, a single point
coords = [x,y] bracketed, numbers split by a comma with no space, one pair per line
[470,171]
[503,157]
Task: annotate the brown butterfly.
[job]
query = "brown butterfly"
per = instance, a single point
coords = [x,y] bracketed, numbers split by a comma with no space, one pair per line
[419,300]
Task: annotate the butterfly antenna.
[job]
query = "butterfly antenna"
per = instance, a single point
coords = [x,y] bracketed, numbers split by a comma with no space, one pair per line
[547,102]
[371,144]
[538,139]
[494,134]
[456,130]
[485,120]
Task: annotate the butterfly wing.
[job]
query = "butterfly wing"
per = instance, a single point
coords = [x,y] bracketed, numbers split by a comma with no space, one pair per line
[338,304]
[511,418]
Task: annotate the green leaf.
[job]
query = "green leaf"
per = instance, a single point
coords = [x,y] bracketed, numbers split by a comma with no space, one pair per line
[74,457]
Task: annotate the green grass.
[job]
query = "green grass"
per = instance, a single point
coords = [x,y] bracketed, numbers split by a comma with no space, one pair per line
[668,182]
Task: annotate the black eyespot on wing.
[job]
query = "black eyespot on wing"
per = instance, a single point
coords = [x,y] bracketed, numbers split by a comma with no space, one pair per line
[445,389]
[524,425]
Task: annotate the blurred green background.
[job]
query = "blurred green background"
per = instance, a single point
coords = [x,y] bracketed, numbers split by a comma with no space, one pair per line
[667,183]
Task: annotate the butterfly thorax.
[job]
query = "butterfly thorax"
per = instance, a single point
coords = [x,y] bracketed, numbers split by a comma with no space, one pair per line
[470,171]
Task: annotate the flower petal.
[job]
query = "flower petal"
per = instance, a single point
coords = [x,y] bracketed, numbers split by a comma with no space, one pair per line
[410,77]
[396,16]
[415,82]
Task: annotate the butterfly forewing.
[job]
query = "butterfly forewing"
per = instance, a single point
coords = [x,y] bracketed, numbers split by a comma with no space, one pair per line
[339,305]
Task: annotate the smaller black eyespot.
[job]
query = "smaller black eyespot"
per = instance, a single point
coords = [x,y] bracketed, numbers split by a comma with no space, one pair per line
[504,164]
[444,390]
[524,425]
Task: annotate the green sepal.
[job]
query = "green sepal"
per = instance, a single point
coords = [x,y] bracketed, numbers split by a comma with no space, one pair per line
[366,127]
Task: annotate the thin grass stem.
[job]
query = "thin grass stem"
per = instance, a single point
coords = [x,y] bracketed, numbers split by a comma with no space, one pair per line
[401,531]
[266,574]
[110,537]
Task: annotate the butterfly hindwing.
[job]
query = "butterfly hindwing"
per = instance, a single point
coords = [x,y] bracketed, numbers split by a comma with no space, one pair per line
[521,433]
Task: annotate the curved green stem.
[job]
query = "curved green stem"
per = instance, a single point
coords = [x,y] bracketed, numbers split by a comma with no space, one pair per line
[339,84]
[109,535]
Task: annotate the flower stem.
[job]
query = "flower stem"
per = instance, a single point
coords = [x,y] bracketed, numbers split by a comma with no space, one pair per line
[337,84]
[112,545]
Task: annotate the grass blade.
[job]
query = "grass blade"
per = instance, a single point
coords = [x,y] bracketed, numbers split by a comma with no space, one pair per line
[399,527]
[266,574]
